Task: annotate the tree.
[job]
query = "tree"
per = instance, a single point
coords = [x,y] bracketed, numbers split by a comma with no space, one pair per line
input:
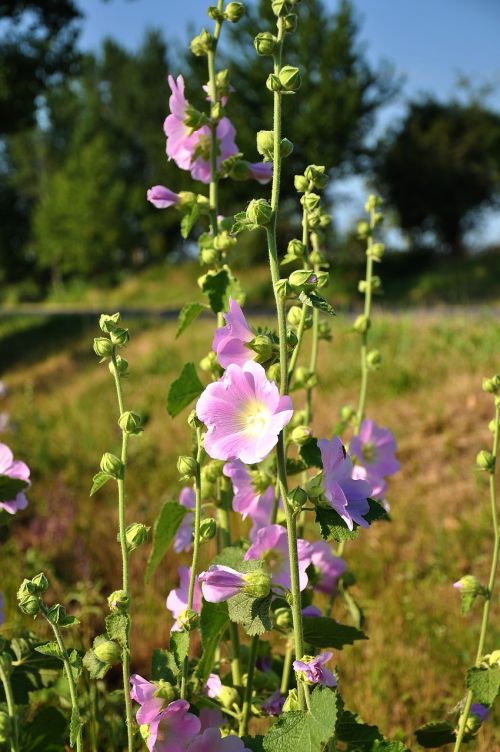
[439,168]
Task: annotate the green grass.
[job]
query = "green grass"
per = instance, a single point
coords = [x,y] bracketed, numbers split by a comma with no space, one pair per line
[428,392]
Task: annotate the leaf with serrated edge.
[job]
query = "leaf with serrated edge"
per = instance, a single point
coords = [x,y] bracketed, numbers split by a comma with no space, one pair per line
[74,727]
[186,387]
[164,530]
[179,645]
[99,480]
[251,613]
[50,648]
[484,684]
[163,666]
[96,668]
[214,620]
[305,731]
[117,627]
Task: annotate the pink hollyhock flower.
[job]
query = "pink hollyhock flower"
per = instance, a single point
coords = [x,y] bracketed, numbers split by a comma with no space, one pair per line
[244,414]
[313,611]
[177,599]
[173,729]
[210,717]
[200,165]
[219,583]
[348,497]
[162,197]
[328,567]
[271,545]
[184,536]
[211,740]
[314,670]
[229,343]
[13,469]
[247,500]
[213,686]
[181,143]
[274,704]
[262,172]
[143,692]
[374,449]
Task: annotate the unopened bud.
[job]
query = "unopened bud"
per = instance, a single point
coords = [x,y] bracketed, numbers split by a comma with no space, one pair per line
[208,256]
[301,435]
[209,362]
[310,201]
[363,230]
[290,23]
[274,373]
[376,251]
[265,43]
[283,618]
[485,460]
[208,529]
[120,336]
[234,12]
[283,288]
[372,202]
[187,620]
[228,696]
[259,211]
[294,316]
[296,248]
[29,604]
[347,413]
[111,464]
[103,347]
[257,584]
[374,359]
[108,323]
[273,83]
[108,651]
[136,534]
[301,183]
[289,78]
[265,144]
[193,421]
[280,7]
[40,583]
[492,385]
[118,602]
[165,691]
[377,218]
[296,499]
[361,324]
[292,702]
[262,344]
[130,422]
[469,584]
[303,279]
[316,175]
[202,44]
[121,365]
[186,467]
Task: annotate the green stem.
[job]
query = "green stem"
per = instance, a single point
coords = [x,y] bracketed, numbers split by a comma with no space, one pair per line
[303,316]
[287,667]
[313,360]
[196,549]
[491,581]
[11,707]
[233,628]
[364,336]
[247,701]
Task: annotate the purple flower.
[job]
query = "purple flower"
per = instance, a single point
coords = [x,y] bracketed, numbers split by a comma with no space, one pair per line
[213,686]
[271,546]
[274,704]
[374,449]
[480,711]
[177,599]
[348,497]
[143,692]
[314,670]
[311,610]
[247,500]
[200,165]
[229,341]
[211,740]
[13,469]
[162,197]
[184,536]
[219,583]
[244,414]
[210,717]
[181,143]
[173,729]
[262,172]
[328,567]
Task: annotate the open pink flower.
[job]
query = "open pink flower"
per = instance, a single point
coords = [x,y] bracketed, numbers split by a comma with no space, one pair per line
[200,164]
[173,729]
[271,546]
[219,583]
[348,497]
[213,686]
[143,692]
[244,414]
[181,143]
[314,670]
[211,740]
[162,197]
[247,500]
[327,566]
[184,536]
[229,341]
[375,451]
[177,599]
[13,469]
[262,172]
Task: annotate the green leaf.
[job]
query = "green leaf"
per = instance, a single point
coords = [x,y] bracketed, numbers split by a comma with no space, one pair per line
[188,314]
[313,300]
[45,733]
[117,628]
[214,621]
[233,557]
[163,666]
[50,648]
[302,730]
[254,743]
[10,487]
[334,528]
[241,222]
[353,731]
[99,480]
[165,527]
[74,727]
[188,220]
[354,608]
[434,735]
[311,454]
[385,745]
[183,390]
[75,661]
[484,684]
[251,613]
[96,668]
[323,632]
[179,645]
[377,512]
[216,286]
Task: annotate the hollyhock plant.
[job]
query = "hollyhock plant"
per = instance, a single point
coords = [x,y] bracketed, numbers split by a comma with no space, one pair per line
[219,583]
[244,414]
[262,172]
[374,449]
[184,537]
[181,141]
[230,341]
[274,704]
[210,718]
[177,599]
[213,686]
[172,729]
[13,469]
[200,166]
[247,500]
[143,692]
[327,566]
[271,546]
[162,197]
[481,712]
[348,497]
[211,740]
[314,670]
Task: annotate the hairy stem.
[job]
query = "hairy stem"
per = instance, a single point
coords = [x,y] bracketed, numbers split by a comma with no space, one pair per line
[247,701]
[11,708]
[364,336]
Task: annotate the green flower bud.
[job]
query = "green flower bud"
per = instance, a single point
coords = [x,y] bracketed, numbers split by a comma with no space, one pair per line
[224,241]
[296,248]
[228,696]
[469,584]
[40,583]
[187,199]
[301,435]
[5,728]
[316,257]
[305,378]
[485,460]
[376,251]
[261,480]
[257,584]
[131,422]
[120,336]
[193,421]
[492,385]
[292,702]
[493,658]
[492,425]
[299,418]
[136,534]
[108,323]
[286,148]
[283,288]
[283,618]
[325,331]
[291,339]
[290,23]
[310,201]
[280,7]
[56,614]
[165,691]
[186,467]
[273,82]
[208,488]
[303,279]
[265,144]
[296,499]
[213,471]
[208,529]
[202,44]
[323,278]
[112,465]
[374,359]
[234,12]
[289,78]
[294,316]
[265,43]
[372,202]
[377,218]
[301,183]
[274,373]
[262,344]
[103,347]
[108,651]
[361,324]
[209,362]
[363,229]
[29,604]
[316,175]
[188,620]
[214,14]
[347,413]
[118,602]
[121,366]
[208,256]
[259,212]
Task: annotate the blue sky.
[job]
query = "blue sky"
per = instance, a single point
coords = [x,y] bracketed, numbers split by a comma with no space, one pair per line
[430,42]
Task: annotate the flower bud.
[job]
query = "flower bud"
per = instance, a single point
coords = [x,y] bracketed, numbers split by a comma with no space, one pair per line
[290,23]
[112,465]
[301,183]
[303,279]
[291,702]
[265,43]
[323,278]
[305,378]
[469,584]
[283,288]
[208,529]
[29,604]
[291,339]
[274,373]
[103,347]
[283,618]
[136,534]
[485,460]
[372,202]
[280,7]
[130,422]
[228,696]
[294,316]
[108,651]
[118,602]
[262,344]
[208,256]
[492,385]
[259,212]
[493,658]
[273,82]
[289,78]
[234,12]
[301,435]
[120,336]
[265,144]
[121,366]
[316,257]
[186,467]
[377,218]
[296,248]
[310,201]
[374,359]
[165,691]
[209,362]
[492,426]
[316,175]
[376,251]
[257,584]
[361,324]
[286,148]
[296,499]
[56,614]
[363,229]
[5,728]
[108,323]
[224,241]
[202,44]
[40,583]
[187,620]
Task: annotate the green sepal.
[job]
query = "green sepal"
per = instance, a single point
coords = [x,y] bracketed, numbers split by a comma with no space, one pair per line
[311,454]
[99,480]
[313,300]
[96,668]
[241,223]
[189,219]
[183,390]
[75,727]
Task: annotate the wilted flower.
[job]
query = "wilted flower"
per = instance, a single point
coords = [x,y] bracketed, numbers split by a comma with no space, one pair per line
[374,449]
[177,599]
[274,704]
[229,341]
[348,497]
[314,671]
[173,729]
[247,500]
[13,469]
[184,536]
[328,568]
[162,197]
[244,414]
[271,546]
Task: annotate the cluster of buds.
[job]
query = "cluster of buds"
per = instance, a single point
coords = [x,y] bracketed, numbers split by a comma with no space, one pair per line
[117,336]
[215,249]
[30,601]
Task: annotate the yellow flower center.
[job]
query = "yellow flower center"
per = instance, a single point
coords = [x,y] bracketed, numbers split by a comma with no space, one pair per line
[255,418]
[273,560]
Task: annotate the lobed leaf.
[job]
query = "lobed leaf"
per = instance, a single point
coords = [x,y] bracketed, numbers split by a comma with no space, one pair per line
[252,613]
[302,730]
[484,684]
[117,628]
[188,220]
[323,632]
[99,480]
[163,666]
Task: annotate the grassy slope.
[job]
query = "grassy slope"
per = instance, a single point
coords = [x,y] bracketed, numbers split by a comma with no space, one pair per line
[428,392]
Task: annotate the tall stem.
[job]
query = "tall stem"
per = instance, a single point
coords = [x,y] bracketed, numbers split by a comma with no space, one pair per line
[247,702]
[287,666]
[303,315]
[364,336]
[233,628]
[11,708]
[491,580]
